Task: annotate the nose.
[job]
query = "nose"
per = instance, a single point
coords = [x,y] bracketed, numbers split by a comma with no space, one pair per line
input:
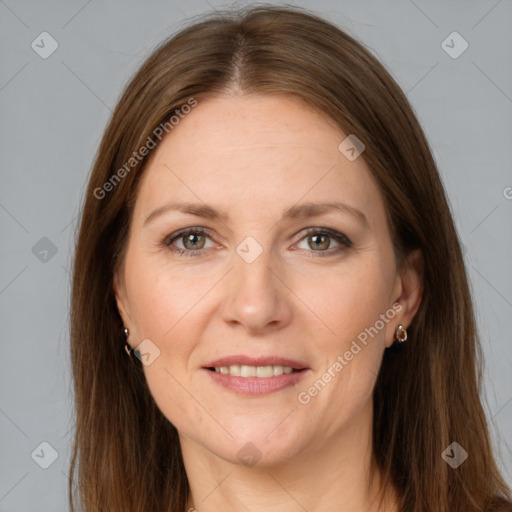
[256,296]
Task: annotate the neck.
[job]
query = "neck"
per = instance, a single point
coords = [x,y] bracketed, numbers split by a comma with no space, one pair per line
[335,473]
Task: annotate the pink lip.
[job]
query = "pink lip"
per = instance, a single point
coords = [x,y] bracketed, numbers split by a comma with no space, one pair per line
[256,361]
[256,385]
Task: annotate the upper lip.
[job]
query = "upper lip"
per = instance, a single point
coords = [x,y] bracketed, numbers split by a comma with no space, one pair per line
[256,361]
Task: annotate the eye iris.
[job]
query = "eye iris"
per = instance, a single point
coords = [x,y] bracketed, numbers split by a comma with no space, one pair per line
[321,242]
[192,238]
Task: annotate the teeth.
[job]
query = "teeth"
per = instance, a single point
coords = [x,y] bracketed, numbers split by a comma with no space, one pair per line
[248,371]
[264,371]
[233,370]
[236,370]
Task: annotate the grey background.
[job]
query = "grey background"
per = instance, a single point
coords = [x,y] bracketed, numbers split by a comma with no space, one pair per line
[53,112]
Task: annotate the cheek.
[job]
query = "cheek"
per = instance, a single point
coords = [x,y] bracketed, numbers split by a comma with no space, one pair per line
[349,299]
[350,305]
[168,308]
[161,298]
[167,311]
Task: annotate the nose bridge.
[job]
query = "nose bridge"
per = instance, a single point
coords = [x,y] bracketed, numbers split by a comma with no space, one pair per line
[253,273]
[255,277]
[256,297]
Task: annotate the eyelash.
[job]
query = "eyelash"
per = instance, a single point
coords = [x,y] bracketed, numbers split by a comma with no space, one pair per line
[343,240]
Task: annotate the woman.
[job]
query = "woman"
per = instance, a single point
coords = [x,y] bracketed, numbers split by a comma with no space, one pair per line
[266,228]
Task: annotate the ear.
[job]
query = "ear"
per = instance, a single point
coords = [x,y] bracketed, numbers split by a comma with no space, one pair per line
[408,292]
[122,300]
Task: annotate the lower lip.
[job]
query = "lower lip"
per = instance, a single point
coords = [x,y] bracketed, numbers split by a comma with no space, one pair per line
[257,385]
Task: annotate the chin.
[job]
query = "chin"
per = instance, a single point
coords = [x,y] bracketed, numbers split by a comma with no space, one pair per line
[260,445]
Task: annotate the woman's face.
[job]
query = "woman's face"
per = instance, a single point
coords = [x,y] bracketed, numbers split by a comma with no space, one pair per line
[274,278]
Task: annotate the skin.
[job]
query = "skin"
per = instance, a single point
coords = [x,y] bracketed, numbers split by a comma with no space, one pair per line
[253,157]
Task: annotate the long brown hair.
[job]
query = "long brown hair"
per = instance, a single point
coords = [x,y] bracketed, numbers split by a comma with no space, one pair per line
[126,454]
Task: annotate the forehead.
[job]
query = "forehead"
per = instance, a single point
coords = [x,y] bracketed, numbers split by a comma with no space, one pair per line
[256,153]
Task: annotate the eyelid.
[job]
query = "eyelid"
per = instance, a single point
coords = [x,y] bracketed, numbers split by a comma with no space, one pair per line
[185,231]
[339,237]
[177,235]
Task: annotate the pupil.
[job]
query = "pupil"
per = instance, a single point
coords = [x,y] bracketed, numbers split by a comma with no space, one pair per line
[192,240]
[319,241]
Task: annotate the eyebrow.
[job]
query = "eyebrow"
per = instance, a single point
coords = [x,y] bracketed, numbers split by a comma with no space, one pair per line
[300,211]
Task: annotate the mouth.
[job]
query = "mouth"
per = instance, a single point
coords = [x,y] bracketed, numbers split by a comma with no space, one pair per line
[261,372]
[256,376]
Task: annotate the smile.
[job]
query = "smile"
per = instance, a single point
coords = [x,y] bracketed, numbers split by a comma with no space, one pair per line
[255,376]
[261,372]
